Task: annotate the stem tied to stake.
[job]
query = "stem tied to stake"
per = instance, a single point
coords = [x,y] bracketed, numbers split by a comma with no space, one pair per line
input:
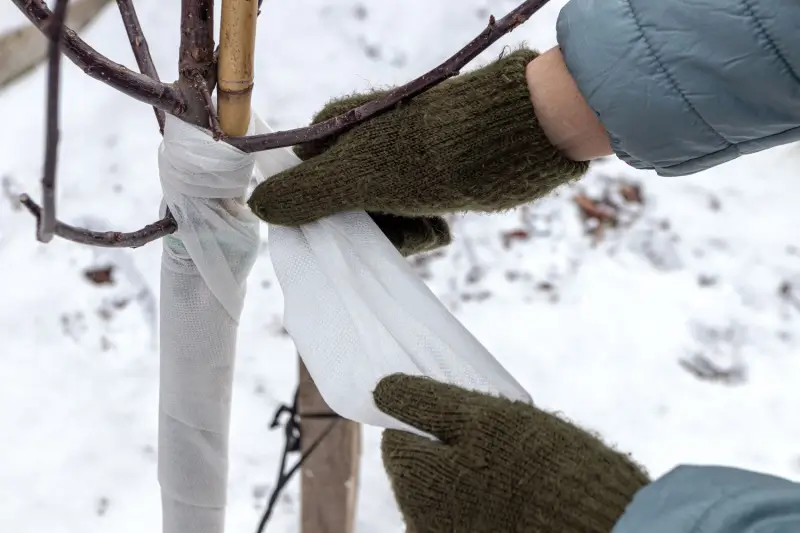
[188,100]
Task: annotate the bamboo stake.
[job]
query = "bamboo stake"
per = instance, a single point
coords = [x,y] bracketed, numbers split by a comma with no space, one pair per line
[235,70]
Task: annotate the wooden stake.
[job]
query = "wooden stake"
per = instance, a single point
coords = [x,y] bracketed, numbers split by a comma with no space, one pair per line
[235,71]
[329,477]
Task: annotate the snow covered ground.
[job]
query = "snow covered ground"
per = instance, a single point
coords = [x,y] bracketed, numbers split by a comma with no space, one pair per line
[675,334]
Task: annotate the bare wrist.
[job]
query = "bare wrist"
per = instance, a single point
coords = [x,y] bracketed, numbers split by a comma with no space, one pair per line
[562,111]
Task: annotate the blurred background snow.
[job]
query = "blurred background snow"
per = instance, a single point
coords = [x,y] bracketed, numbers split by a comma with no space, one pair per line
[662,312]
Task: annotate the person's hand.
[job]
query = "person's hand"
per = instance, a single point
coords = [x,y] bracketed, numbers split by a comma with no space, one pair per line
[500,466]
[410,235]
[472,143]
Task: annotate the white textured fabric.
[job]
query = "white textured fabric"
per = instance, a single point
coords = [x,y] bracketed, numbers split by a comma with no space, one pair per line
[204,268]
[357,312]
[353,306]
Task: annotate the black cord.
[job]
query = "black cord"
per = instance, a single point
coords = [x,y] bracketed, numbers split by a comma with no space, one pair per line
[291,444]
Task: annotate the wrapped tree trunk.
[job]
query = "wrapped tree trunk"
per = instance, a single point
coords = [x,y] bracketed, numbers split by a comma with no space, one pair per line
[203,279]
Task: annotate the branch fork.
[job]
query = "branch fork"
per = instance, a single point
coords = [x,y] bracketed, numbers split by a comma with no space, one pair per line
[190,98]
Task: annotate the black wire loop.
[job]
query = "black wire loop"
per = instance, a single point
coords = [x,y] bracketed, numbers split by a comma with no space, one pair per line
[288,417]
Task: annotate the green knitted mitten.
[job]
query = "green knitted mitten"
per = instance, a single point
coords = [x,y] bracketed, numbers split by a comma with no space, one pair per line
[501,466]
[472,143]
[410,235]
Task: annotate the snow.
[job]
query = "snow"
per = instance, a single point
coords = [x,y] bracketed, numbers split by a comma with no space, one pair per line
[594,328]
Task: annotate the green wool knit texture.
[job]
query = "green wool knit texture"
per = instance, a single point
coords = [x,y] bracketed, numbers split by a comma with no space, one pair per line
[471,143]
[499,466]
[410,235]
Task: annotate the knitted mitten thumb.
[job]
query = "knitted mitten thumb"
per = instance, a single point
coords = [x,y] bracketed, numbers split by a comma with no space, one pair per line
[499,466]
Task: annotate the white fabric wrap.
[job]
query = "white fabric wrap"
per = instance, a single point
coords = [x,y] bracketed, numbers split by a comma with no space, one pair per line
[355,309]
[204,268]
[358,312]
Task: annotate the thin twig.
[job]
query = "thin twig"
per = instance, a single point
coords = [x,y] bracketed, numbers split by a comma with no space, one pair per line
[213,117]
[106,239]
[448,69]
[143,88]
[47,221]
[141,51]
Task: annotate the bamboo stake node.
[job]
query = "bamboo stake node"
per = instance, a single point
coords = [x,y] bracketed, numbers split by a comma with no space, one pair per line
[235,70]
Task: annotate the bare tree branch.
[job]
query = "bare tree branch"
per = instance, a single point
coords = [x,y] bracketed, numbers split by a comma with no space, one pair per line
[141,51]
[448,69]
[197,54]
[161,95]
[197,61]
[106,239]
[47,221]
[192,101]
[213,117]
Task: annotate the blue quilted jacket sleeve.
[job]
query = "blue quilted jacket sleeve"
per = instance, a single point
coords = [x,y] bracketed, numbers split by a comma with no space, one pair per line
[711,499]
[684,85]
